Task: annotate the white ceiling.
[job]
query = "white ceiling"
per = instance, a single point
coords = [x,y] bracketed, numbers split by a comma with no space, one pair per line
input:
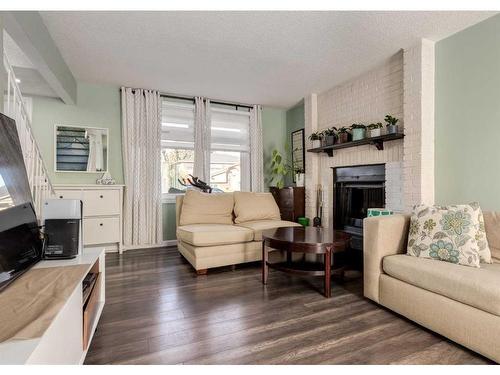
[271,58]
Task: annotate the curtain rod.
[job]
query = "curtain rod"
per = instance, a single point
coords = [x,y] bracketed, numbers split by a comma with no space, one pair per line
[191,98]
[211,101]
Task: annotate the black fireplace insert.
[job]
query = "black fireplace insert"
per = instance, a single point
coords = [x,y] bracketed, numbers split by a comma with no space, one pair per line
[355,189]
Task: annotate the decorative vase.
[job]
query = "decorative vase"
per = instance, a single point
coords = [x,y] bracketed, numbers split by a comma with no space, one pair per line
[330,140]
[392,129]
[374,133]
[343,137]
[315,143]
[299,179]
[358,134]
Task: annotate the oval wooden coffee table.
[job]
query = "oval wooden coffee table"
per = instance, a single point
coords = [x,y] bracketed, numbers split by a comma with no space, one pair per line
[308,240]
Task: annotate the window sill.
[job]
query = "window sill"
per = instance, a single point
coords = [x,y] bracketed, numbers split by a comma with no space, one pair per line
[167,198]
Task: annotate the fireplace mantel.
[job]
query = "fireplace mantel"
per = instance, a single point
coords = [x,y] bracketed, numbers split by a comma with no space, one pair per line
[378,142]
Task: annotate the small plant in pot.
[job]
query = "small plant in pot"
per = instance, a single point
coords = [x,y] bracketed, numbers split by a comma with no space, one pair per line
[374,129]
[315,139]
[391,124]
[329,136]
[343,135]
[358,132]
[299,177]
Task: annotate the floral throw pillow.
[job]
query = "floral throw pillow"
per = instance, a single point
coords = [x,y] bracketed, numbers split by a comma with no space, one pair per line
[452,234]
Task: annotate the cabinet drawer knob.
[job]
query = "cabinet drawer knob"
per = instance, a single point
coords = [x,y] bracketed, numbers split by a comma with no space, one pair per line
[101,196]
[61,197]
[101,224]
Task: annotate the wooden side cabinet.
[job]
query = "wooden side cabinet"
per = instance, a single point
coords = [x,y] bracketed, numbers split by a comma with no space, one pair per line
[291,201]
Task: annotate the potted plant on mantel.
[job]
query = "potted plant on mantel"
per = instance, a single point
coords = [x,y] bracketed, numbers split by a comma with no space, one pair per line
[315,139]
[391,126]
[329,136]
[358,132]
[343,135]
[374,130]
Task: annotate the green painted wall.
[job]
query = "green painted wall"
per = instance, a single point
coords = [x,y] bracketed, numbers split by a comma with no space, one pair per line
[98,106]
[294,121]
[467,117]
[274,136]
[168,218]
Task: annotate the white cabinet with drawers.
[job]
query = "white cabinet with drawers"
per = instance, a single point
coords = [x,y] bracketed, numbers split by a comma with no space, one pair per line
[102,213]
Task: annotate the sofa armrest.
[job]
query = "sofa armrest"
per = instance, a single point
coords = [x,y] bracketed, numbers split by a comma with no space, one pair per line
[178,207]
[383,235]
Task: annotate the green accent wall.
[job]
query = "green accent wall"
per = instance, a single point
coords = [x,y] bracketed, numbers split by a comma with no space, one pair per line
[98,106]
[467,117]
[274,137]
[168,218]
[294,121]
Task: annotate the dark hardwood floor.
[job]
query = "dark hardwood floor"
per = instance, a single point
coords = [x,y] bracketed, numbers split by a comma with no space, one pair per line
[159,312]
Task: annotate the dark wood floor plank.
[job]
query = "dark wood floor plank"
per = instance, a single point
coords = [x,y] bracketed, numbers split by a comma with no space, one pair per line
[158,311]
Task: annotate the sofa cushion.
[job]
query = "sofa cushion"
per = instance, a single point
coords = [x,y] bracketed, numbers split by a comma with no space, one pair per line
[492,226]
[261,225]
[213,234]
[477,287]
[255,206]
[204,208]
[452,234]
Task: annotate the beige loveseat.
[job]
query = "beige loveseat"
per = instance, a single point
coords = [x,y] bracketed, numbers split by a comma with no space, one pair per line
[459,302]
[215,244]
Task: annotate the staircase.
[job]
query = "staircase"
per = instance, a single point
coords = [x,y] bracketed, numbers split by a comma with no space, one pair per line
[14,107]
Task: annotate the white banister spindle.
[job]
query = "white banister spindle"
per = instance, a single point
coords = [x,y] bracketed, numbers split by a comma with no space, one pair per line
[41,187]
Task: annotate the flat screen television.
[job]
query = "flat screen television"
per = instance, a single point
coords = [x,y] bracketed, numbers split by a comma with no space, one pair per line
[21,245]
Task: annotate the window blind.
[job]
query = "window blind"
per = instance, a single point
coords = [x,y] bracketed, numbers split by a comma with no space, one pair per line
[229,129]
[177,124]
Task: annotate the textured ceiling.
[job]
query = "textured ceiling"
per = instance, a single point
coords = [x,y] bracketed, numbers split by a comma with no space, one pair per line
[271,58]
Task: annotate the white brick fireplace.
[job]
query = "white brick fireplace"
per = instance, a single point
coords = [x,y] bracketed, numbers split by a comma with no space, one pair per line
[402,86]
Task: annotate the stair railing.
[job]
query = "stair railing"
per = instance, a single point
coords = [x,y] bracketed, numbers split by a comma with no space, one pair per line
[14,107]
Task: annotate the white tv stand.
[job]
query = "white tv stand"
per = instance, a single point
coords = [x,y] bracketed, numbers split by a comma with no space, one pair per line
[68,337]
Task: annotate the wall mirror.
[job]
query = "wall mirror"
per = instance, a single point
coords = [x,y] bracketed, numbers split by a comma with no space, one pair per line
[80,149]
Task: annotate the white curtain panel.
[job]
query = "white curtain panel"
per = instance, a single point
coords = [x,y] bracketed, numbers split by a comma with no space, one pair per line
[256,150]
[141,144]
[201,168]
[95,160]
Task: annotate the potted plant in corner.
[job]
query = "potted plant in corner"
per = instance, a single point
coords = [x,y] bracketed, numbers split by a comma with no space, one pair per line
[358,132]
[374,130]
[391,126]
[343,135]
[299,177]
[315,139]
[279,169]
[329,136]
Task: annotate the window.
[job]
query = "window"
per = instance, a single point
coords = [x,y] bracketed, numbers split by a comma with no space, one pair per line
[229,145]
[230,148]
[177,155]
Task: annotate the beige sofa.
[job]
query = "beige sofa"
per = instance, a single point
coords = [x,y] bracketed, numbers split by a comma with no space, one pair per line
[215,245]
[459,302]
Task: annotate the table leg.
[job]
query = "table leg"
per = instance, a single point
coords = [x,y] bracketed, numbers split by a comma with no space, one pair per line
[265,267]
[328,260]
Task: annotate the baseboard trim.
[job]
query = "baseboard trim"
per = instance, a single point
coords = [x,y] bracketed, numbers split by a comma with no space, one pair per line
[162,244]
